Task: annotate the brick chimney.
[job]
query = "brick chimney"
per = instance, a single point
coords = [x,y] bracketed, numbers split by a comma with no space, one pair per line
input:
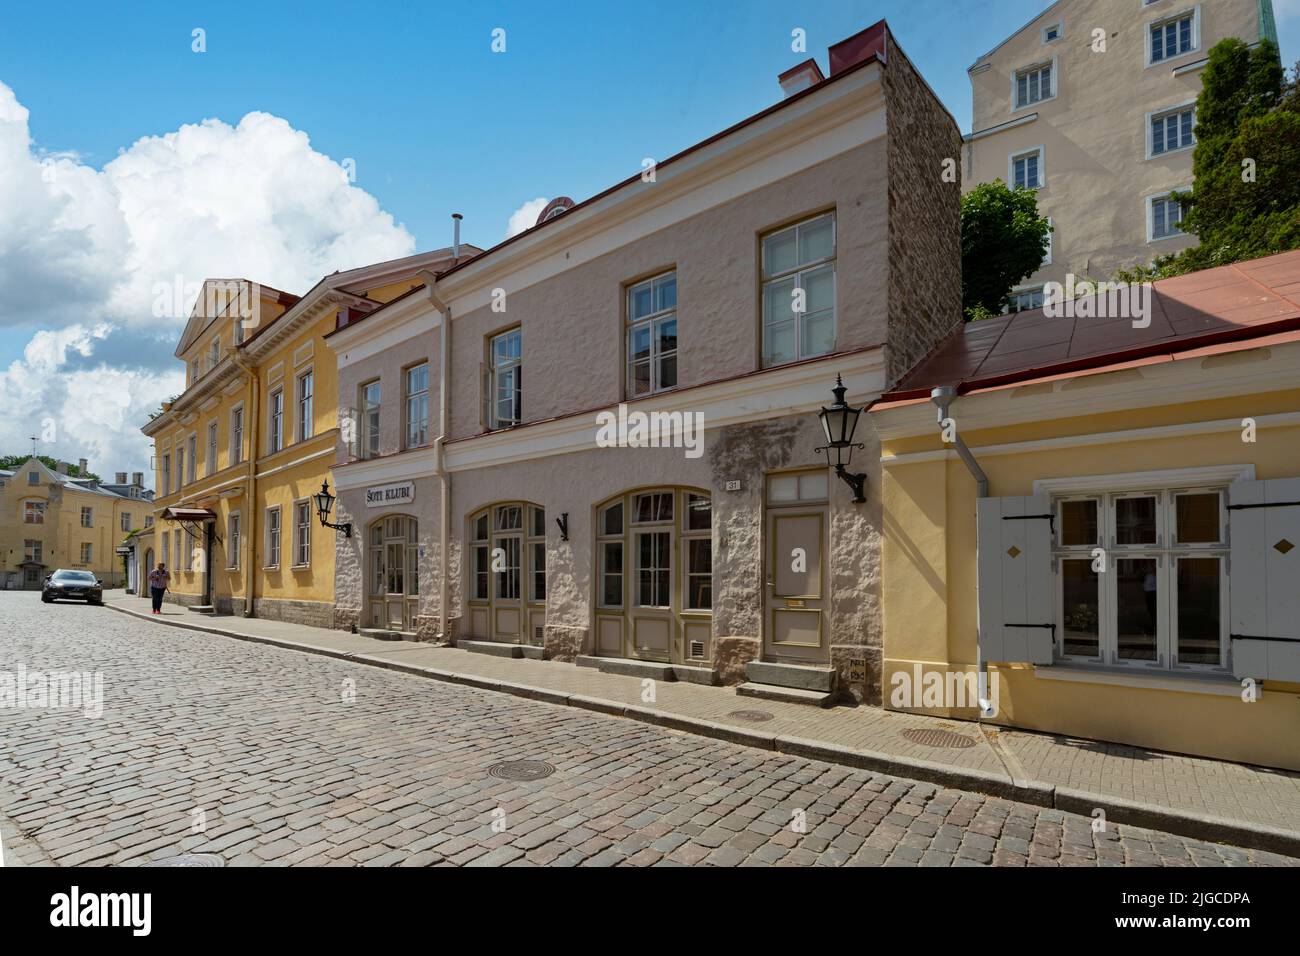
[799,78]
[137,478]
[61,467]
[119,478]
[83,465]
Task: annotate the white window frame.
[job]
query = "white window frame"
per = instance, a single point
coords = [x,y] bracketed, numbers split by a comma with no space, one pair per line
[274,537]
[1058,26]
[166,473]
[305,394]
[1151,215]
[214,435]
[234,534]
[301,549]
[237,435]
[1154,115]
[275,421]
[797,273]
[494,370]
[1025,289]
[369,432]
[1023,154]
[87,516]
[1016,105]
[651,320]
[125,520]
[33,478]
[192,450]
[408,396]
[1164,20]
[34,507]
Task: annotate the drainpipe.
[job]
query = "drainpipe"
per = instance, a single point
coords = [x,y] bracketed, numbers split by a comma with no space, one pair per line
[943,397]
[251,417]
[439,445]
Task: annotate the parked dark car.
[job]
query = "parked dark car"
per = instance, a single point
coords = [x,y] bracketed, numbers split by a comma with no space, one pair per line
[73,585]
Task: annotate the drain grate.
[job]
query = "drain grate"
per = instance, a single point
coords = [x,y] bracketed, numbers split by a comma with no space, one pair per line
[757,716]
[943,739]
[521,770]
[190,859]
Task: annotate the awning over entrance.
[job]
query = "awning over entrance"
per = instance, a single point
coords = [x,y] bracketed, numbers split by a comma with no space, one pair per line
[188,514]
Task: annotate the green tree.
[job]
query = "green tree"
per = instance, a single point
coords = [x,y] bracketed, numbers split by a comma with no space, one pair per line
[1246,199]
[9,462]
[1003,240]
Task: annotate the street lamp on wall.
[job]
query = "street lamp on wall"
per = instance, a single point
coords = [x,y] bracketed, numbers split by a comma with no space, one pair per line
[839,421]
[324,505]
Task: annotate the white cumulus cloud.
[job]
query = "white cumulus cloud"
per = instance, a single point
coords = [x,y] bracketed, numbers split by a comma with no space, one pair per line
[525,217]
[84,251]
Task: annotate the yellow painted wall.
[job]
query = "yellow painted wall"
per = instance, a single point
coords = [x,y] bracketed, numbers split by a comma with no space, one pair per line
[929,575]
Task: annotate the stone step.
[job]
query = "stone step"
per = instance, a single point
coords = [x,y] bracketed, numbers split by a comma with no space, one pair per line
[202,608]
[789,695]
[532,652]
[385,634]
[800,676]
[628,667]
[695,675]
[495,648]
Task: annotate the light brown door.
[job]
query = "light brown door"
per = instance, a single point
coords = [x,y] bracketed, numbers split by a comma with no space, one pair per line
[795,626]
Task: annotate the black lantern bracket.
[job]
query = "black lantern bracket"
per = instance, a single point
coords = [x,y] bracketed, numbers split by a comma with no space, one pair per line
[839,422]
[324,505]
[563,522]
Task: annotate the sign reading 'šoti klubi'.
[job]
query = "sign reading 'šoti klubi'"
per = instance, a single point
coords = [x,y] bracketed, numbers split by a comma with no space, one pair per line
[399,494]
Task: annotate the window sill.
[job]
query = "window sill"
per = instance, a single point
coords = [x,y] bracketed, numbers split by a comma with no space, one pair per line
[1216,685]
[300,567]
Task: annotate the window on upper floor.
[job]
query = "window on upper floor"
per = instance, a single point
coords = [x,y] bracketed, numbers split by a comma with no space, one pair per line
[87,552]
[275,429]
[1033,84]
[87,517]
[652,335]
[192,448]
[306,387]
[368,444]
[1052,32]
[180,468]
[32,548]
[194,371]
[33,512]
[237,436]
[126,521]
[210,465]
[1171,130]
[1173,36]
[503,385]
[33,478]
[1027,169]
[1164,217]
[417,405]
[214,354]
[166,474]
[798,264]
[1025,300]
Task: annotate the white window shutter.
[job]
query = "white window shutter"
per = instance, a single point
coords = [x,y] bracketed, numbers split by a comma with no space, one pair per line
[1017,621]
[1264,578]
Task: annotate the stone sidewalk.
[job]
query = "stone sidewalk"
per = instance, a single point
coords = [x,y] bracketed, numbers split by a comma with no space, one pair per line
[1207,799]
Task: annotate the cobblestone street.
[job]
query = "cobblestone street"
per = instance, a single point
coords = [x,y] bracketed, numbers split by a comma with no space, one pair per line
[268,756]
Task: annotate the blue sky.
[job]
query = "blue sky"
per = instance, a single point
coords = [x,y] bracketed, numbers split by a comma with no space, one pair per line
[412,93]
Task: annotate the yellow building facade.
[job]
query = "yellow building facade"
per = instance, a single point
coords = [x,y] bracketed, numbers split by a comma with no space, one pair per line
[1131,571]
[49,521]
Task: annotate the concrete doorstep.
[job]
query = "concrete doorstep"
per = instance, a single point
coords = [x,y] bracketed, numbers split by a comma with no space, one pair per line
[1009,785]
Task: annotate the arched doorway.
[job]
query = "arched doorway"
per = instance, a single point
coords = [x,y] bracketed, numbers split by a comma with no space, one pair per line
[654,575]
[507,573]
[142,576]
[393,572]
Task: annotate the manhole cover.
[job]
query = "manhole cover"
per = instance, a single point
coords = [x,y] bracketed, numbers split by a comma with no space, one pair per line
[755,715]
[521,770]
[945,739]
[190,859]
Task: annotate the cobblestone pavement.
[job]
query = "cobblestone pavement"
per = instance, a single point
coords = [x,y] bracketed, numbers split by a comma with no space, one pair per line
[288,758]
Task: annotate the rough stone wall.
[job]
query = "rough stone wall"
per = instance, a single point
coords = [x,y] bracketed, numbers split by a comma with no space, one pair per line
[924,217]
[310,613]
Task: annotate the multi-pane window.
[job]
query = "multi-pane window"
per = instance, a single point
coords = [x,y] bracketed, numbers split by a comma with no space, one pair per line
[273,537]
[652,335]
[232,541]
[1025,300]
[236,436]
[799,291]
[302,534]
[87,552]
[183,557]
[1141,578]
[1166,217]
[1027,170]
[306,386]
[180,468]
[1174,37]
[481,562]
[504,384]
[87,517]
[1033,85]
[536,554]
[1172,130]
[697,525]
[610,544]
[275,434]
[192,447]
[368,444]
[667,537]
[32,550]
[33,512]
[33,478]
[214,354]
[166,474]
[507,550]
[211,463]
[126,520]
[417,405]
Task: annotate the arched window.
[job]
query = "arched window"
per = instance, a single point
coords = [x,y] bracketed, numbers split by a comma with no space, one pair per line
[393,572]
[507,573]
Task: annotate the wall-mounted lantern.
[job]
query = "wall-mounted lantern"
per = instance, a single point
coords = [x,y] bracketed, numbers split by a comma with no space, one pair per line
[839,422]
[324,505]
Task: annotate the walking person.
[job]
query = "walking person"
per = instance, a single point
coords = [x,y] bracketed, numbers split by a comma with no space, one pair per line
[159,580]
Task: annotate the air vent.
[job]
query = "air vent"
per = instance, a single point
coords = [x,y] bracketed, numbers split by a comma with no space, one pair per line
[537,635]
[697,649]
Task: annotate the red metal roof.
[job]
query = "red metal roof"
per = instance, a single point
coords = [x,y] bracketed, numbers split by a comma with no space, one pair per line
[1234,303]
